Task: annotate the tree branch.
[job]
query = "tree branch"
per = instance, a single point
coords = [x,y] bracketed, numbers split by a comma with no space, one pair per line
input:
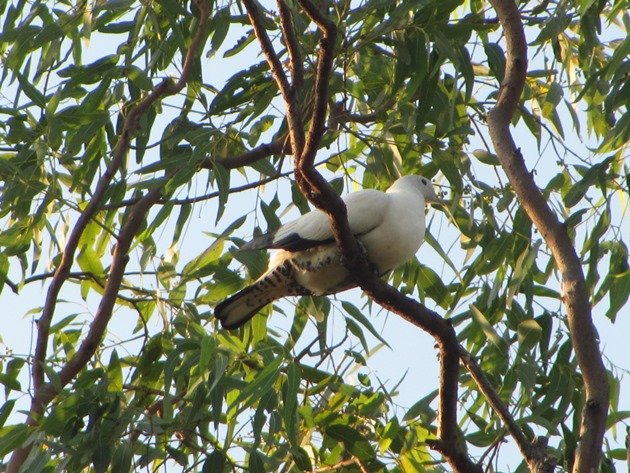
[319,192]
[324,69]
[117,270]
[294,116]
[292,43]
[277,146]
[534,452]
[575,294]
[44,393]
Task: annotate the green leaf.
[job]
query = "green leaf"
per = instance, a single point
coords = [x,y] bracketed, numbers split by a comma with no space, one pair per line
[353,441]
[357,315]
[222,176]
[89,261]
[200,265]
[496,60]
[578,190]
[215,462]
[31,91]
[302,459]
[431,284]
[256,463]
[114,373]
[102,455]
[290,391]
[219,26]
[74,116]
[422,408]
[355,330]
[12,437]
[486,157]
[269,212]
[93,72]
[600,228]
[206,352]
[529,334]
[138,77]
[122,457]
[5,410]
[553,27]
[241,44]
[10,383]
[260,385]
[488,329]
[433,243]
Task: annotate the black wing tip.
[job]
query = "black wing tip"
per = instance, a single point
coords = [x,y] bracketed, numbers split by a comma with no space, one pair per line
[294,242]
[262,242]
[291,242]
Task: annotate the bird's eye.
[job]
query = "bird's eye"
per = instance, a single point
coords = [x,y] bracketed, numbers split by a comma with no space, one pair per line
[424,181]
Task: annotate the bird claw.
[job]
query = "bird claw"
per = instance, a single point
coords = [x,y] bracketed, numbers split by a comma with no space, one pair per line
[373,268]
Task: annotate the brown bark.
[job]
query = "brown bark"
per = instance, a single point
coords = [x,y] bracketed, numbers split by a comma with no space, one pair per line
[318,191]
[575,294]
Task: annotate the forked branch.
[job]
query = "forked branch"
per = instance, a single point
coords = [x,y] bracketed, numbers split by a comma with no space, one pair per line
[319,192]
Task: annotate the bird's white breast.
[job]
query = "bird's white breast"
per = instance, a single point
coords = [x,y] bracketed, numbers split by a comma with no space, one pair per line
[401,233]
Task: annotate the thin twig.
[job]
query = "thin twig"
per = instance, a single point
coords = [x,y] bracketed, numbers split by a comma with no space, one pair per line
[214,194]
[278,146]
[354,461]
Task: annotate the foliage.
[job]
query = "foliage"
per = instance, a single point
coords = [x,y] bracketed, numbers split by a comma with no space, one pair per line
[411,85]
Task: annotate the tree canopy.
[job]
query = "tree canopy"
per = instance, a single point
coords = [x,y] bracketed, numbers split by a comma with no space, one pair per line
[142,143]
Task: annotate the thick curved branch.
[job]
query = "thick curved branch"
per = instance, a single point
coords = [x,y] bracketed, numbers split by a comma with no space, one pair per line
[323,72]
[575,294]
[319,192]
[44,393]
[114,279]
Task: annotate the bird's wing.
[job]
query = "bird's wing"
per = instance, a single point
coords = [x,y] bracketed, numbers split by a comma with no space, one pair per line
[366,210]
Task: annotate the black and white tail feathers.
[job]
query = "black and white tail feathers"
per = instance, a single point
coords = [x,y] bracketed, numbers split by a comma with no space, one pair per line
[242,306]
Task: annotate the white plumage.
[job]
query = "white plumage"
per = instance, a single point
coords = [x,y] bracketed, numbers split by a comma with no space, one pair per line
[390,226]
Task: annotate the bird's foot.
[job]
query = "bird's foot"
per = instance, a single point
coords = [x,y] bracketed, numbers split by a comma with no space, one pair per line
[373,269]
[363,249]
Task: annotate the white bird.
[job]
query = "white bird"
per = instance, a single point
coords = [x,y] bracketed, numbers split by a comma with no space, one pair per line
[389,225]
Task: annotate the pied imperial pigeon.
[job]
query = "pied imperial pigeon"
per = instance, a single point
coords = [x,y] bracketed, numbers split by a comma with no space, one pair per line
[389,225]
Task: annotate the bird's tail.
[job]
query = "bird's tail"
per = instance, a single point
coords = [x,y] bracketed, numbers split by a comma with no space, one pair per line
[242,306]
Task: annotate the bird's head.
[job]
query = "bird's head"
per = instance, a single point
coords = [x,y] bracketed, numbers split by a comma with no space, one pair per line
[421,183]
